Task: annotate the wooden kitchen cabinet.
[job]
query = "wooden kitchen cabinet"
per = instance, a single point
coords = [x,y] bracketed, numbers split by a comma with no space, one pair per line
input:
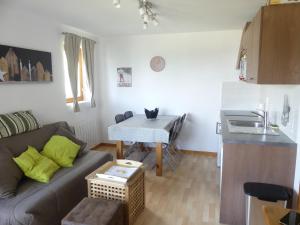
[274,164]
[272,47]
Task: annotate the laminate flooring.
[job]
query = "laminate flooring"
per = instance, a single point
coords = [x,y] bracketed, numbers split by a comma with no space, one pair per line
[188,196]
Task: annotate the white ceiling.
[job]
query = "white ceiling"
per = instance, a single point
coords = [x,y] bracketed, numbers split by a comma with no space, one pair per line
[175,16]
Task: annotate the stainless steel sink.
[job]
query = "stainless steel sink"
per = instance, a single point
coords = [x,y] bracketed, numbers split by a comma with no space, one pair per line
[249,127]
[242,123]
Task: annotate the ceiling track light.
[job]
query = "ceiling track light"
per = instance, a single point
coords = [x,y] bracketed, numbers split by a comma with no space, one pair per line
[145,11]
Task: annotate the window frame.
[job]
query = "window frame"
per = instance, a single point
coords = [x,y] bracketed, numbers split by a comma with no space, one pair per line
[80,98]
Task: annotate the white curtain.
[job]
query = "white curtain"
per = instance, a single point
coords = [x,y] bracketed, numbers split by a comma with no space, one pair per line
[88,48]
[72,50]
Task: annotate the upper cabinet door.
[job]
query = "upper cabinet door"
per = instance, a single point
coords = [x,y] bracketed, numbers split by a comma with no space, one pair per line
[273,45]
[254,49]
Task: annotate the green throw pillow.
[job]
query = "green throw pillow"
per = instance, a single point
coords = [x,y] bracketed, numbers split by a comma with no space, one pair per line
[36,166]
[61,150]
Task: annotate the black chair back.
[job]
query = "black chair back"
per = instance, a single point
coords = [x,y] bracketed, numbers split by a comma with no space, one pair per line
[128,114]
[119,118]
[179,126]
[173,130]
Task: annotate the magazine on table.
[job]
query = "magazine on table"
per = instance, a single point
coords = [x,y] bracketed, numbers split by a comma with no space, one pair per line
[121,171]
[118,173]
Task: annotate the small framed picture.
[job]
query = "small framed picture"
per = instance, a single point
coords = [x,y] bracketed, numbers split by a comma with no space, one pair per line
[124,77]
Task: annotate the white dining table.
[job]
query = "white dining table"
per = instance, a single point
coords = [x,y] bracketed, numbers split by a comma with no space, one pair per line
[140,129]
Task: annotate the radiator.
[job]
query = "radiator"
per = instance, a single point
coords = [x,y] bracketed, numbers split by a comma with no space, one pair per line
[88,132]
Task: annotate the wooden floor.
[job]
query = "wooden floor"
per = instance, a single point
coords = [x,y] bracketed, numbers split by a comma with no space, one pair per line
[188,196]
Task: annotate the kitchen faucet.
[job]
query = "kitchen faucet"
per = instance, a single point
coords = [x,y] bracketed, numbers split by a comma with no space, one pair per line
[265,117]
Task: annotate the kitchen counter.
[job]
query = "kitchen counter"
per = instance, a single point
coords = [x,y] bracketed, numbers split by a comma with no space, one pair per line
[251,158]
[237,138]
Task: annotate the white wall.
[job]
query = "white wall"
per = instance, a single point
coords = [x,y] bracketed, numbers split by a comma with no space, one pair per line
[25,29]
[244,96]
[196,66]
[237,95]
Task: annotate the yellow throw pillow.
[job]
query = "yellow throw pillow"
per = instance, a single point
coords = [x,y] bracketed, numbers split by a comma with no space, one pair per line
[61,150]
[36,166]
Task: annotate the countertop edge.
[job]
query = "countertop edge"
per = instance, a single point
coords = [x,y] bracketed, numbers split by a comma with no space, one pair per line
[231,138]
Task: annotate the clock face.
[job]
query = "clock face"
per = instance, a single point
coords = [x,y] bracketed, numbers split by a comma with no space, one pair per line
[157,63]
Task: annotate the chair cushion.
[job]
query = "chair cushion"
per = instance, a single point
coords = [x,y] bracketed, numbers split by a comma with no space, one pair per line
[61,150]
[68,134]
[10,174]
[36,166]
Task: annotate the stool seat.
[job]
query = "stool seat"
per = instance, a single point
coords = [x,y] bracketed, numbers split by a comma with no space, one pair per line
[96,212]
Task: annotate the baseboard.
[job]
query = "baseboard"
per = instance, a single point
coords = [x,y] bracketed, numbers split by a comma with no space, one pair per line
[183,151]
[199,153]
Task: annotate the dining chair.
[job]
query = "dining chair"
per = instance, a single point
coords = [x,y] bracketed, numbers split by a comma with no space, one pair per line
[119,118]
[169,156]
[128,114]
[178,131]
[170,149]
[130,148]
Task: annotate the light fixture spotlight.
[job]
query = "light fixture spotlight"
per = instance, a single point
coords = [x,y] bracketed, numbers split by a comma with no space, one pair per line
[142,11]
[146,18]
[117,3]
[155,22]
[145,25]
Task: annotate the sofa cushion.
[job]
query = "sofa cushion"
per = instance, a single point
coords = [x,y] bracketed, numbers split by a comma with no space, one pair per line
[66,189]
[70,135]
[37,138]
[61,150]
[36,166]
[17,123]
[10,174]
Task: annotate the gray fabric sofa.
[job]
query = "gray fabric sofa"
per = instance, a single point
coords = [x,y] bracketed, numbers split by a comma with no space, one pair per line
[46,204]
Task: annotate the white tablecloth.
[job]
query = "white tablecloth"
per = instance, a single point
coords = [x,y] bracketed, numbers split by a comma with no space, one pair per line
[139,129]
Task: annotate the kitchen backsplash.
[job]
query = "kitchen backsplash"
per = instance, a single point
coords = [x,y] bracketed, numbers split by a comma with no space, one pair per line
[244,96]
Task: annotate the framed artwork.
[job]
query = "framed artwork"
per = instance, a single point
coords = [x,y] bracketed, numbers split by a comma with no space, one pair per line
[24,65]
[124,77]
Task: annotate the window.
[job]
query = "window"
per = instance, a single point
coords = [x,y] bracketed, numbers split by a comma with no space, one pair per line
[68,89]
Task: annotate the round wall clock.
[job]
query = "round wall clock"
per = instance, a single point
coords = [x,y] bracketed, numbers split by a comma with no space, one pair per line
[157,63]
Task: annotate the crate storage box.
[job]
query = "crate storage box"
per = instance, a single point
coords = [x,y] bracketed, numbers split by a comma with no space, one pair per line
[131,192]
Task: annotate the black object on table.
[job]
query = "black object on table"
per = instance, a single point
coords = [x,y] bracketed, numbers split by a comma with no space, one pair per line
[151,114]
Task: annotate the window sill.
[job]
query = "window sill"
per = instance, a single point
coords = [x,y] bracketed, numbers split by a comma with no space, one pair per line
[84,102]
